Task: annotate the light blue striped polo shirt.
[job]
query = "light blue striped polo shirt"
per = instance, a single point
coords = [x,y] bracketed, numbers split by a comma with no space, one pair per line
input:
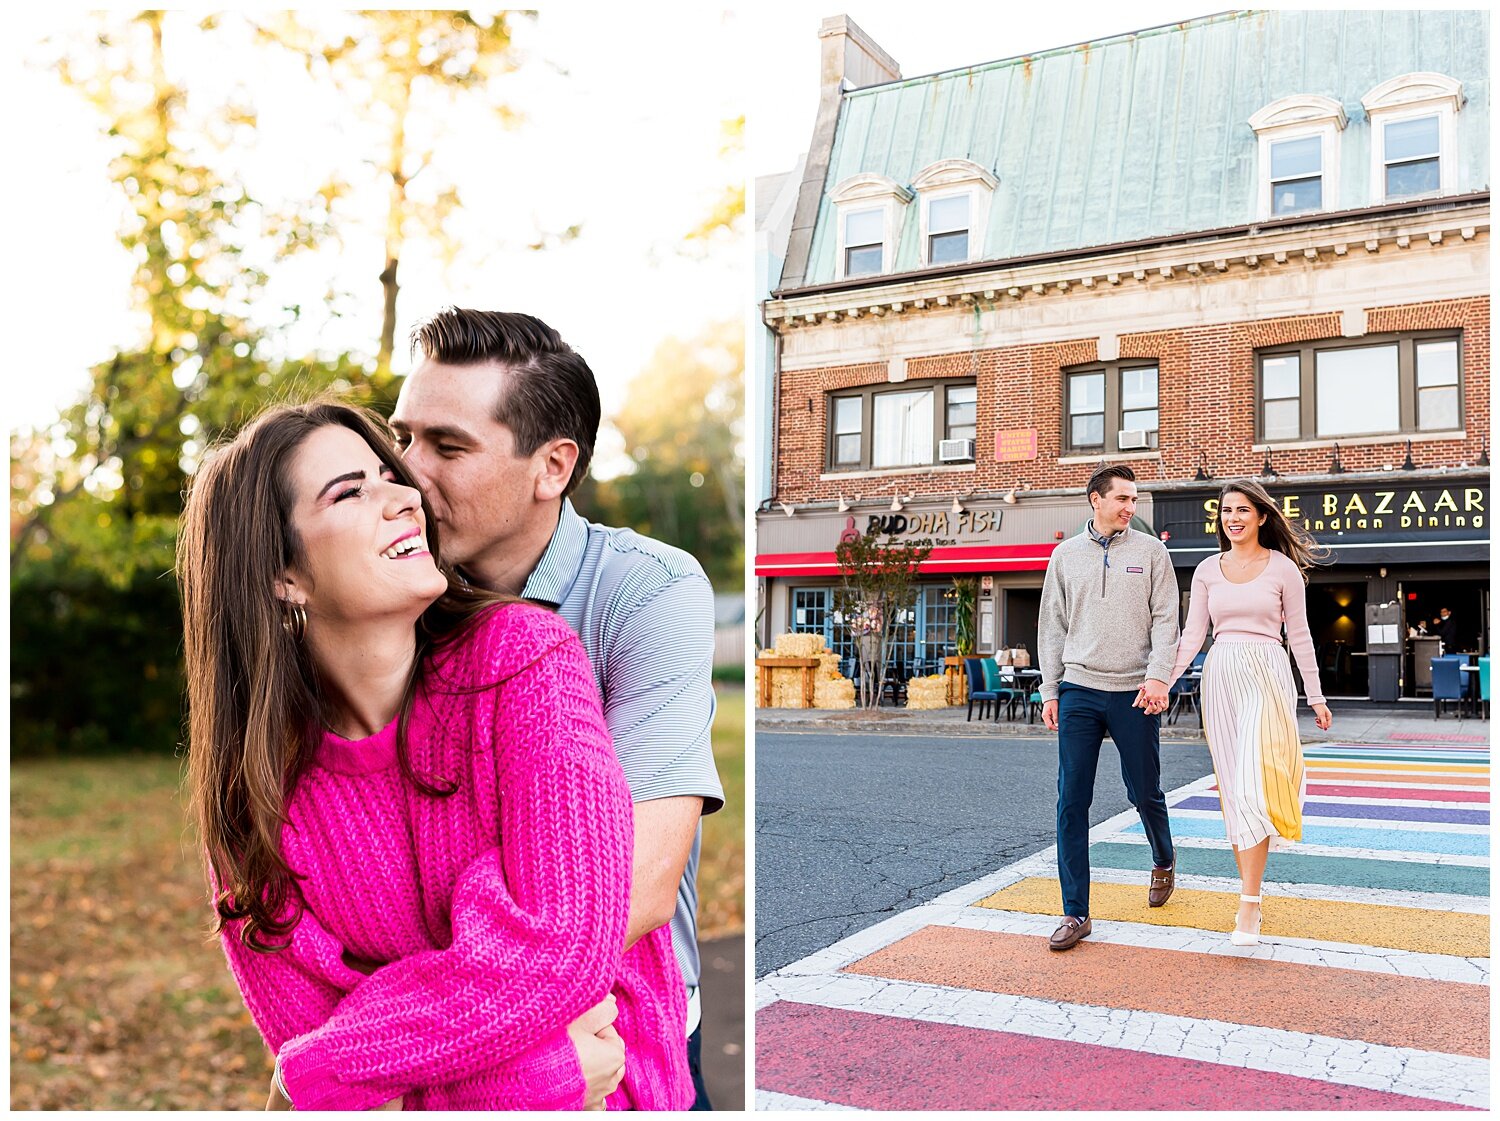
[645,613]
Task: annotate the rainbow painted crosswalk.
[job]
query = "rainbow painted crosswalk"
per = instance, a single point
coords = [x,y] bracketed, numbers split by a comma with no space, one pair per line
[1369,990]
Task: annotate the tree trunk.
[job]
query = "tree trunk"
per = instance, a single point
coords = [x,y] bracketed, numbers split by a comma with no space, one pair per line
[400,103]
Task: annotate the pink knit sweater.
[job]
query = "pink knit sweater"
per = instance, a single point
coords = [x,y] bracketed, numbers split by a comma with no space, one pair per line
[1251,612]
[501,908]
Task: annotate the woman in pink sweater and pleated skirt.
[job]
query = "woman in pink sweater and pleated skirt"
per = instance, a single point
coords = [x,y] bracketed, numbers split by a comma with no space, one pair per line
[417,831]
[1249,590]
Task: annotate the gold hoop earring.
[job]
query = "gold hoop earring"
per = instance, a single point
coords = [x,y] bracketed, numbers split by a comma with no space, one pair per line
[294,620]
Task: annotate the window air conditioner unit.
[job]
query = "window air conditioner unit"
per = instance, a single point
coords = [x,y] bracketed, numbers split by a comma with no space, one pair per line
[955,451]
[1137,439]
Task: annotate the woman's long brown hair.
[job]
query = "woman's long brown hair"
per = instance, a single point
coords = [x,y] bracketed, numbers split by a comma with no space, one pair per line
[1278,532]
[255,709]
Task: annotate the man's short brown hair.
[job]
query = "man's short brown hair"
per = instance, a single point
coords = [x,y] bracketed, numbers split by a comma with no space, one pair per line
[1103,479]
[548,392]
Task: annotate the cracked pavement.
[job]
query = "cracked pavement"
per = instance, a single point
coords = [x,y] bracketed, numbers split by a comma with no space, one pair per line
[852,829]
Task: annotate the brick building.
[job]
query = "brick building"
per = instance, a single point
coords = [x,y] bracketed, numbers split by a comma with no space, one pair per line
[1253,244]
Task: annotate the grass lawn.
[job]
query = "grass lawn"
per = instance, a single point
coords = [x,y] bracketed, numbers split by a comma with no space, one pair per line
[119,999]
[721,867]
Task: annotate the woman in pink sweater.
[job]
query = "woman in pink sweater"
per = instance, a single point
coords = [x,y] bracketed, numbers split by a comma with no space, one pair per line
[1248,590]
[417,831]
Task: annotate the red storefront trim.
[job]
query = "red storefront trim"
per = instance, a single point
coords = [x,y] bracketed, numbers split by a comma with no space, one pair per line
[942,562]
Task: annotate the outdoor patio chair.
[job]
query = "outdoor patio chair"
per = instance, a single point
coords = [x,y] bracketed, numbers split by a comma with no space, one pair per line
[1447,684]
[1484,685]
[977,690]
[1011,691]
[1186,692]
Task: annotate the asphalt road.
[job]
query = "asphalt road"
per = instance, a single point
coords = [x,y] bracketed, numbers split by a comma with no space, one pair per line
[851,829]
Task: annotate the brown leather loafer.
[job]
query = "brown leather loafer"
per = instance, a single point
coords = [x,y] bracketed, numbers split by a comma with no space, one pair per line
[1163,880]
[1066,936]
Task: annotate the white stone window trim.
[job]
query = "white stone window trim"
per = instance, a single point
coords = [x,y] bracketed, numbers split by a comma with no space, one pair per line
[1408,97]
[950,179]
[868,191]
[1293,118]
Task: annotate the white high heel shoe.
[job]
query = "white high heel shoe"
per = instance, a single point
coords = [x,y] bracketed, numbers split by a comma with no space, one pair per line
[1238,937]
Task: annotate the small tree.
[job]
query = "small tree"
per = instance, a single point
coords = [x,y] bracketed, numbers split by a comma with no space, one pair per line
[879,583]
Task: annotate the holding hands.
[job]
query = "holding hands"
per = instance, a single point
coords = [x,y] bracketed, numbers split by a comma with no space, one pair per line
[1152,697]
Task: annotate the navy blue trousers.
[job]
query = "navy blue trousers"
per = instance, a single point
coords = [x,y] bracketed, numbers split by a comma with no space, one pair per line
[1084,717]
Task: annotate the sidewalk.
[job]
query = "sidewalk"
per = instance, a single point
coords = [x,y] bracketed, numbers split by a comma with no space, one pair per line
[1368,991]
[1356,721]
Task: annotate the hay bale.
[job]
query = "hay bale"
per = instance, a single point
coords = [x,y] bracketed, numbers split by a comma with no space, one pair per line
[927,692]
[786,687]
[829,670]
[836,693]
[799,645]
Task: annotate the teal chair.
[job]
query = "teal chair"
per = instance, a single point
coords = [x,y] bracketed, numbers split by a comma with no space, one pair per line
[1484,684]
[1002,686]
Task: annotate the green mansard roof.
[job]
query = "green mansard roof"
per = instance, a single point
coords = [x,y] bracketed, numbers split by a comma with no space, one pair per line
[1147,134]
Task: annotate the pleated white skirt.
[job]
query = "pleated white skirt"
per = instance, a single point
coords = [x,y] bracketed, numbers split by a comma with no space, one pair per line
[1250,717]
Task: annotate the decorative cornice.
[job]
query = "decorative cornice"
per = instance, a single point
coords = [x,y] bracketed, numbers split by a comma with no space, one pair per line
[1242,250]
[1414,89]
[953,173]
[868,187]
[1299,109]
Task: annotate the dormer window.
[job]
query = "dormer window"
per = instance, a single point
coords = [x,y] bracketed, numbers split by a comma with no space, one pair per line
[1413,157]
[869,209]
[1413,136]
[1299,155]
[864,242]
[955,204]
[948,229]
[1296,175]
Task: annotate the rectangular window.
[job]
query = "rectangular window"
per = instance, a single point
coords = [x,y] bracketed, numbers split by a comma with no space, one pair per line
[1383,385]
[1411,157]
[1437,385]
[1281,397]
[948,230]
[1296,175]
[1358,391]
[864,238]
[1138,400]
[848,431]
[879,426]
[1112,410]
[962,412]
[1086,410]
[903,429]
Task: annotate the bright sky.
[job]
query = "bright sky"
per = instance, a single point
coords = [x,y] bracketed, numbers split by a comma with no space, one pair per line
[923,39]
[626,143]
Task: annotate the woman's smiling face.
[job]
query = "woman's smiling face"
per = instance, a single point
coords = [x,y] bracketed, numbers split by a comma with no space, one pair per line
[364,552]
[1239,517]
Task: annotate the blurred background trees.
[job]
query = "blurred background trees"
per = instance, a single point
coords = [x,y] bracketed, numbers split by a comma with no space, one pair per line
[96,490]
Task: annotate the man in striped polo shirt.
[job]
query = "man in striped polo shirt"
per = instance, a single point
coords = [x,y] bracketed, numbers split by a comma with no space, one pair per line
[498,423]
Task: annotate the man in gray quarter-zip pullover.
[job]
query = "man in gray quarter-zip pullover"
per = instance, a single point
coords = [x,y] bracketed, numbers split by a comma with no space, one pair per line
[1107,639]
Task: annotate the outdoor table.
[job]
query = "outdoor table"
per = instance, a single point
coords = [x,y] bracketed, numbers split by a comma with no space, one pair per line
[809,668]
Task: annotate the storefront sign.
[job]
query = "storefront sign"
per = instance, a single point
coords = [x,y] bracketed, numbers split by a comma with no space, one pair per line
[943,526]
[1387,512]
[1013,445]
